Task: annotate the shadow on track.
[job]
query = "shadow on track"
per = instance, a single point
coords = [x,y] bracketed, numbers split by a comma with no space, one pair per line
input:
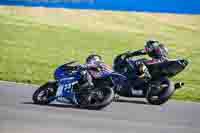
[75,107]
[60,106]
[52,105]
[130,101]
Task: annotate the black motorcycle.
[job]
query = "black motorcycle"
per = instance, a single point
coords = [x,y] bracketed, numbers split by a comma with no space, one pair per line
[154,84]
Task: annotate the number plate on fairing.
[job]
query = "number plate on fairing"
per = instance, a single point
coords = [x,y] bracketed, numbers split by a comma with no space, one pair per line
[68,89]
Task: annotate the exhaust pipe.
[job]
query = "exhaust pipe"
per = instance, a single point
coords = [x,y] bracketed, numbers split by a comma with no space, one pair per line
[179,85]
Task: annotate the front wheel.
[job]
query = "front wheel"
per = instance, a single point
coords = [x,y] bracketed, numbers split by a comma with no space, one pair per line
[45,93]
[161,92]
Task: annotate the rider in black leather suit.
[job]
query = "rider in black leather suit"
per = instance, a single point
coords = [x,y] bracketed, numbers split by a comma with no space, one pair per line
[154,49]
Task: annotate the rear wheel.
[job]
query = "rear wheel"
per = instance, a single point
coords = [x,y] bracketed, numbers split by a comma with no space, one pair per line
[98,98]
[160,92]
[45,93]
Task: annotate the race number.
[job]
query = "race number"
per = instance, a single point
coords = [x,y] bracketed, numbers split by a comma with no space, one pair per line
[68,87]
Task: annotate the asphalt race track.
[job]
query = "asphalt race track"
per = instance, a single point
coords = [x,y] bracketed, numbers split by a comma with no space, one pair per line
[19,115]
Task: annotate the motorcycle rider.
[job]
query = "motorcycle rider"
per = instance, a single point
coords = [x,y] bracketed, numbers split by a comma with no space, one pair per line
[153,48]
[95,67]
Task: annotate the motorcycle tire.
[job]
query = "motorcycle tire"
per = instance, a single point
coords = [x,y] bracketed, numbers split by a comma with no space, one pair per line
[108,96]
[47,90]
[164,95]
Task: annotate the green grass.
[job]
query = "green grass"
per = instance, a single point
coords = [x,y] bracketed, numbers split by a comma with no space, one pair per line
[32,46]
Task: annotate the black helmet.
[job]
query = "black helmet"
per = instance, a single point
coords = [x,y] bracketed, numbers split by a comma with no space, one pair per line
[156,50]
[93,58]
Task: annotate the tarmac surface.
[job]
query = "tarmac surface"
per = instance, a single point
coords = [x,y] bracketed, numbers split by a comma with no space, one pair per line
[19,115]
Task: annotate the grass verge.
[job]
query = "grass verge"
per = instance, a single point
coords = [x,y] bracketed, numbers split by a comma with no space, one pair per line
[34,41]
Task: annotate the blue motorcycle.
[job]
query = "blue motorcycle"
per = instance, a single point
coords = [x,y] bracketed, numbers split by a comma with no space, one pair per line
[69,79]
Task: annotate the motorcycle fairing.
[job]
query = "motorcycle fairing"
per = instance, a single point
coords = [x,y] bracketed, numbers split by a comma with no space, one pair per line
[168,68]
